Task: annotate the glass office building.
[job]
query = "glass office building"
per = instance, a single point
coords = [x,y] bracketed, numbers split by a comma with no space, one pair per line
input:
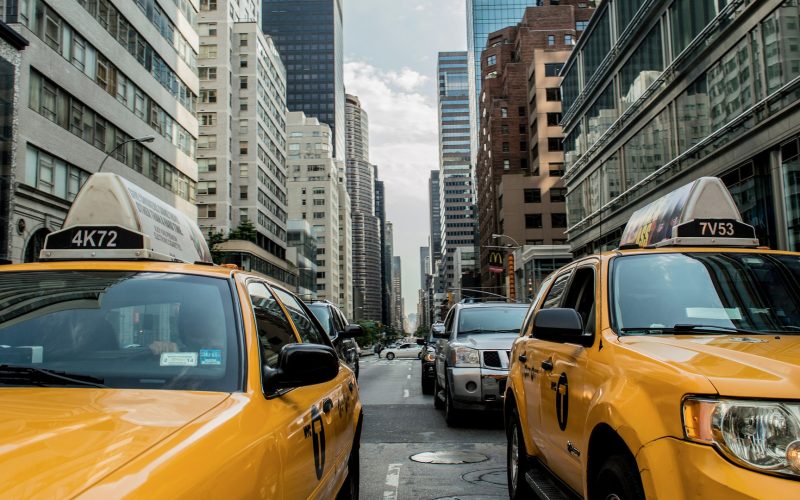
[652,102]
[309,36]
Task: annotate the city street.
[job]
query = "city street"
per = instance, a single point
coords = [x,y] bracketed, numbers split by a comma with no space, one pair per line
[400,422]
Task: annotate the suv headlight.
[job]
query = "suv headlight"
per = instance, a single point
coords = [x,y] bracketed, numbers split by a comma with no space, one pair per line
[465,357]
[760,435]
[429,357]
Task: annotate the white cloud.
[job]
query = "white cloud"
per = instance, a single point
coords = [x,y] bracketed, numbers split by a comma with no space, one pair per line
[404,144]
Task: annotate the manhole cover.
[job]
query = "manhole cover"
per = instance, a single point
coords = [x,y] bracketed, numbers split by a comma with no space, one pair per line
[488,477]
[449,457]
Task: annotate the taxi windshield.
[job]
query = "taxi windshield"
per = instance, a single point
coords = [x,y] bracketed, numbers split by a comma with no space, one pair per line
[706,293]
[118,329]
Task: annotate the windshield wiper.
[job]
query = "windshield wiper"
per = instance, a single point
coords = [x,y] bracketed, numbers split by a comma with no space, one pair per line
[678,328]
[466,332]
[38,376]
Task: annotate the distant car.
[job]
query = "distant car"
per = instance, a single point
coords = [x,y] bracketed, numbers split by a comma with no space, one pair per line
[428,371]
[335,325]
[406,350]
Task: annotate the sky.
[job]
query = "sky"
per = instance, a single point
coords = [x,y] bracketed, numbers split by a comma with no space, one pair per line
[390,49]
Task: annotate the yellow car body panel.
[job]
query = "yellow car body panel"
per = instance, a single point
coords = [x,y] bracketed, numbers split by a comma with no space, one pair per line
[633,386]
[129,443]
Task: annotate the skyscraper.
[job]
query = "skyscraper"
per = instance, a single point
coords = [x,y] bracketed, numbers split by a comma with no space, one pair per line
[484,17]
[456,187]
[95,77]
[367,244]
[242,143]
[386,253]
[309,36]
[435,221]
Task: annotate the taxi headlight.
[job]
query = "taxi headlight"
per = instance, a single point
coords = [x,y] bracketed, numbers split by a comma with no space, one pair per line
[759,435]
[465,357]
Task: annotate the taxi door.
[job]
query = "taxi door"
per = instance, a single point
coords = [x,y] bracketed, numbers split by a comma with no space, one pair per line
[308,452]
[564,399]
[536,351]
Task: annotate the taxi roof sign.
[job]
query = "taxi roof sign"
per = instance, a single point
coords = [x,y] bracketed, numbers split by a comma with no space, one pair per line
[112,218]
[701,213]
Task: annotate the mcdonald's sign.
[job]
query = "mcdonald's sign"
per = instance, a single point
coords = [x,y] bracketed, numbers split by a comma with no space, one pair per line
[496,261]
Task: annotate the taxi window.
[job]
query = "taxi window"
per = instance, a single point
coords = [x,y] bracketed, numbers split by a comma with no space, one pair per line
[274,330]
[528,323]
[553,298]
[754,292]
[120,329]
[323,314]
[305,326]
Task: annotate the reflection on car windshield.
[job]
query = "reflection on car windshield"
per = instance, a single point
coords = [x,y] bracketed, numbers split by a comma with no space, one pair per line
[706,293]
[119,329]
[490,320]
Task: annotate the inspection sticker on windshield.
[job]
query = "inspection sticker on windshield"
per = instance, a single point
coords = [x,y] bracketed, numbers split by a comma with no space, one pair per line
[178,359]
[210,357]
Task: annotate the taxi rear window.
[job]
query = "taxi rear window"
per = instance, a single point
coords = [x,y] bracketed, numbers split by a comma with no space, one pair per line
[118,329]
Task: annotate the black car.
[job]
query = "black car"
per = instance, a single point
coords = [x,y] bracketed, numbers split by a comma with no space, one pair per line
[335,324]
[429,359]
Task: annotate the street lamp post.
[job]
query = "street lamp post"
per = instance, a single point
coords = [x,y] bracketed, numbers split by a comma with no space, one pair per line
[147,138]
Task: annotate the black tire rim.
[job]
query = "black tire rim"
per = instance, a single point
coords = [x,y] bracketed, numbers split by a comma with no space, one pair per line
[513,459]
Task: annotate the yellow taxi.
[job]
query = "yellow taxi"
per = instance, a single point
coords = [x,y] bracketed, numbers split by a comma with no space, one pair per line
[132,367]
[669,368]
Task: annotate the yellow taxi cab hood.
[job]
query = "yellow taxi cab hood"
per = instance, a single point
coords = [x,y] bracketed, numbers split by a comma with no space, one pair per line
[56,442]
[758,366]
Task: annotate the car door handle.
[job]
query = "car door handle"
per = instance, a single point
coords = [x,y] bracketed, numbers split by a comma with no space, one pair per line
[522,358]
[327,405]
[547,365]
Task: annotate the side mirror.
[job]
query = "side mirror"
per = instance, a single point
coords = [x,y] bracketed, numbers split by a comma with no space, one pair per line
[560,325]
[352,331]
[440,334]
[421,342]
[300,365]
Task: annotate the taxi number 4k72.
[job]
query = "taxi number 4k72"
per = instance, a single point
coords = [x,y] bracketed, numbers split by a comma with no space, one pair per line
[94,238]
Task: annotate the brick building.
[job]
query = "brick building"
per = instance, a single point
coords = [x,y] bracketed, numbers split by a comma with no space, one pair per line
[520,155]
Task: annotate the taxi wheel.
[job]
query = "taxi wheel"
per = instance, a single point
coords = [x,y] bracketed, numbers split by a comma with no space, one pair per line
[350,487]
[516,460]
[390,356]
[619,479]
[437,403]
[451,416]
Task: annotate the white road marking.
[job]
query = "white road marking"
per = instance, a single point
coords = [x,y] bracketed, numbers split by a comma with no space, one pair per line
[392,481]
[408,377]
[405,393]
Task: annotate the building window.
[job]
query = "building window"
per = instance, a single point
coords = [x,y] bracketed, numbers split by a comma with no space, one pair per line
[551,39]
[552,69]
[243,147]
[504,129]
[556,169]
[558,220]
[242,103]
[207,51]
[505,147]
[243,170]
[205,165]
[533,221]
[553,119]
[242,82]
[558,195]
[207,141]
[243,40]
[521,111]
[553,94]
[243,192]
[207,187]
[207,119]
[642,69]
[568,40]
[491,60]
[581,25]
[555,144]
[503,112]
[243,61]
[208,96]
[533,195]
[208,211]
[208,5]
[506,165]
[207,72]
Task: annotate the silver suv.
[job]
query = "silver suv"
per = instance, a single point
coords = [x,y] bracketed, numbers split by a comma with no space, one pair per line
[472,356]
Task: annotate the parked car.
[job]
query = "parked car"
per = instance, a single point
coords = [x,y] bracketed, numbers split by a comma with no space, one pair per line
[405,350]
[428,371]
[336,326]
[472,356]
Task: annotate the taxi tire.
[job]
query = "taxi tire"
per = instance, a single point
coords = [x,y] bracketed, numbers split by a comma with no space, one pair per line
[521,489]
[390,356]
[619,477]
[437,402]
[427,387]
[350,487]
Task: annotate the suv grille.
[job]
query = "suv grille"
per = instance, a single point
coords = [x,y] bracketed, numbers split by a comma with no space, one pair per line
[492,358]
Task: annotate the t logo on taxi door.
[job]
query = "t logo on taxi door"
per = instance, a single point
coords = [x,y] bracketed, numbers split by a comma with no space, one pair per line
[317,440]
[562,401]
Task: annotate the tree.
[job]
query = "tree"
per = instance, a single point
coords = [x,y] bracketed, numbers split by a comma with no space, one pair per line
[246,230]
[213,239]
[422,331]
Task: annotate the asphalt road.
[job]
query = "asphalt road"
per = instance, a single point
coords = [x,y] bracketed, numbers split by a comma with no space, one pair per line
[399,422]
